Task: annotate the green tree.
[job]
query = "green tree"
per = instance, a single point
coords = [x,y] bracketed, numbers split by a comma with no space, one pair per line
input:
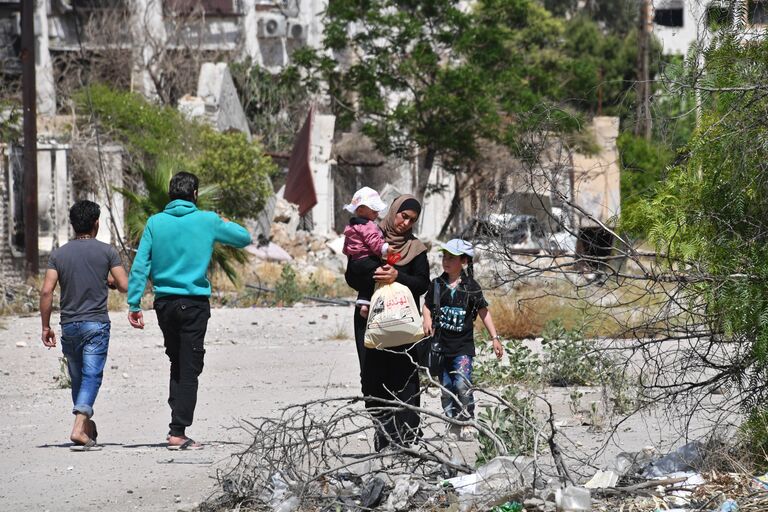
[155,135]
[142,205]
[710,220]
[159,142]
[276,104]
[240,170]
[618,16]
[434,79]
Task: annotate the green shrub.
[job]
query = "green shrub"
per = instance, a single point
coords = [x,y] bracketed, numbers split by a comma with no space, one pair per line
[754,435]
[569,359]
[643,164]
[513,424]
[147,130]
[287,289]
[523,366]
[239,168]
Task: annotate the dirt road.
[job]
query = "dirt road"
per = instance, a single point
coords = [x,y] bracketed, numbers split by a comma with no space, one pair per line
[256,361]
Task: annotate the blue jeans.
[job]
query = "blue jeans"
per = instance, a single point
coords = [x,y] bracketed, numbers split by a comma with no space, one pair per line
[457,378]
[85,344]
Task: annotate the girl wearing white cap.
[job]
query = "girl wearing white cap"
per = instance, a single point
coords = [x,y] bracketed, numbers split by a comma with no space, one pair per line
[460,301]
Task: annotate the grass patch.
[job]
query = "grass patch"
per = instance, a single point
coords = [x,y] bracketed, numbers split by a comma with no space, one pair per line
[609,310]
[339,333]
[290,285]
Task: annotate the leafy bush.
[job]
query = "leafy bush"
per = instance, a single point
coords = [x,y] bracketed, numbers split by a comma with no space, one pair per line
[287,289]
[569,359]
[513,424]
[643,164]
[147,130]
[754,434]
[524,365]
[239,168]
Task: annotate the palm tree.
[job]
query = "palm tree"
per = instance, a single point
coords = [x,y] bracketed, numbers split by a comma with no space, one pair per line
[142,206]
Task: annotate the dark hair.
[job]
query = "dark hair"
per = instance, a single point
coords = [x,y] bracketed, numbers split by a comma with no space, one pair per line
[410,204]
[83,216]
[470,268]
[183,186]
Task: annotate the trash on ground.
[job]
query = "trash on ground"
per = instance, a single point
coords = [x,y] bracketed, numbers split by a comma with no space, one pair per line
[603,479]
[686,458]
[500,480]
[573,499]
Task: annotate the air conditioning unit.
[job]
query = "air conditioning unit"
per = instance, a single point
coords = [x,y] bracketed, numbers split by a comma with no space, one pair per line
[297,30]
[271,26]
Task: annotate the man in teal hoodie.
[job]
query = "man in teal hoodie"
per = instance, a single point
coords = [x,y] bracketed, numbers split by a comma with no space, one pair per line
[175,252]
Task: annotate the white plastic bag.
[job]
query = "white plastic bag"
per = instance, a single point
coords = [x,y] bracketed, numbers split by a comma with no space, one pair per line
[393,319]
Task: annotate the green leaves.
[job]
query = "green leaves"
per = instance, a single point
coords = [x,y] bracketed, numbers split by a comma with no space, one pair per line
[711,214]
[240,170]
[438,77]
[159,142]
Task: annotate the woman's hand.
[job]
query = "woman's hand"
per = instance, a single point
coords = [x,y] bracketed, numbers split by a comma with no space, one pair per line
[385,275]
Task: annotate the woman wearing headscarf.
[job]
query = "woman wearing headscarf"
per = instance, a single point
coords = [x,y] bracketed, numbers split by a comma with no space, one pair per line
[392,374]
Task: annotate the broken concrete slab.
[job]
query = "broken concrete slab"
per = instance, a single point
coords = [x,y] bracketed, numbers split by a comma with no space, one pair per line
[269,252]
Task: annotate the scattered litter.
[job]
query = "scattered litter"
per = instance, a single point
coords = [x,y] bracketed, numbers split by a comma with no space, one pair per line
[510,506]
[627,463]
[761,482]
[282,499]
[603,479]
[269,252]
[686,458]
[404,489]
[573,499]
[501,479]
[21,344]
[370,496]
[729,506]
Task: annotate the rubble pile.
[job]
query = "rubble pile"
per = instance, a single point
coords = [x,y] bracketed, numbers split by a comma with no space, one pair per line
[305,250]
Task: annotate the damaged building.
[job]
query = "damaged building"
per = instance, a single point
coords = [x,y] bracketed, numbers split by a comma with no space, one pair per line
[196,37]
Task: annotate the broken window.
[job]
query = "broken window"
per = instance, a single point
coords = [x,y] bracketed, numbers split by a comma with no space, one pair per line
[98,4]
[669,13]
[52,198]
[208,6]
[758,12]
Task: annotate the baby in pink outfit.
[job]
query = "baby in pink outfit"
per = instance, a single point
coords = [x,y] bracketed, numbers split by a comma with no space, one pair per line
[364,243]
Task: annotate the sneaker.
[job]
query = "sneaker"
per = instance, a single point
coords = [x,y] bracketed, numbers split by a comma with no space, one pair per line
[453,433]
[467,433]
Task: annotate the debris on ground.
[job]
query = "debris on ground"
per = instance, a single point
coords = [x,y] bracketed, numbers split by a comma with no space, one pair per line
[686,458]
[573,499]
[500,480]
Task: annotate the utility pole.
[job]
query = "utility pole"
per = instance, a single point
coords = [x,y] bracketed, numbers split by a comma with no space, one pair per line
[643,121]
[29,99]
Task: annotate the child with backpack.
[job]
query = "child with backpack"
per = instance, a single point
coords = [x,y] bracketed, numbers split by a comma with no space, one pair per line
[450,319]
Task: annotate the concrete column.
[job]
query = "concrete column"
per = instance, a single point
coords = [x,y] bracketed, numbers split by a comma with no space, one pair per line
[148,27]
[46,93]
[320,153]
[250,32]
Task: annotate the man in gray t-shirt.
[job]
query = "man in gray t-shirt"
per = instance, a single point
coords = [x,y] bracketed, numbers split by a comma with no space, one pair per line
[85,268]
